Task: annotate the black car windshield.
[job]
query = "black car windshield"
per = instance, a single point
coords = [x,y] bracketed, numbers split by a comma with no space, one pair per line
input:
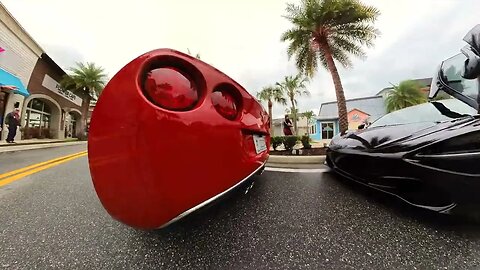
[424,113]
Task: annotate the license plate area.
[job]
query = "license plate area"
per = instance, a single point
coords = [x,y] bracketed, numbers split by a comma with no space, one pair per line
[259,142]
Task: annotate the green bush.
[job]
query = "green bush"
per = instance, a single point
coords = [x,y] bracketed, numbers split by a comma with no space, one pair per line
[290,141]
[306,142]
[276,141]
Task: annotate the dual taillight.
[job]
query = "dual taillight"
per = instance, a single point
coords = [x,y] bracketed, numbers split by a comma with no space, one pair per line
[174,89]
[169,88]
[225,103]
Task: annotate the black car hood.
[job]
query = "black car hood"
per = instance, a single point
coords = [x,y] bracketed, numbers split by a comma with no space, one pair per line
[384,136]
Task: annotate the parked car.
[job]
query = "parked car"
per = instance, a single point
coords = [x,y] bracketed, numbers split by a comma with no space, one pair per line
[170,134]
[429,154]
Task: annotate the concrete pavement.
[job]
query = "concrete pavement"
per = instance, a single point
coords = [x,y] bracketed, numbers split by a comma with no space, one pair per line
[316,220]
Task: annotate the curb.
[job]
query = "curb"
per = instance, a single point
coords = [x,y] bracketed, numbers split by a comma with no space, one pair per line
[36,143]
[296,159]
[25,147]
[294,166]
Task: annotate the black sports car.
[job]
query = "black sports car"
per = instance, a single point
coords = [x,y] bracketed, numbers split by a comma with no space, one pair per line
[429,154]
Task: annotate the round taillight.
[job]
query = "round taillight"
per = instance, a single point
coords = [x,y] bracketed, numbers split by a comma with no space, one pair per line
[225,104]
[169,88]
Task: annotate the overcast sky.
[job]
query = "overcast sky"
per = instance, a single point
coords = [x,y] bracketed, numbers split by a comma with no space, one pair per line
[242,38]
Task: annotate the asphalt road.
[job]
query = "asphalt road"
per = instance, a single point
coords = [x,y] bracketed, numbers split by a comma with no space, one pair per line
[53,219]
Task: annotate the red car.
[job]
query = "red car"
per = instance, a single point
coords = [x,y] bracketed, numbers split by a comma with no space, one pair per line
[170,134]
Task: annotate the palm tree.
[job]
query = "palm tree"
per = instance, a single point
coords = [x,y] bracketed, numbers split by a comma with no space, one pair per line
[293,87]
[271,94]
[310,117]
[406,94]
[328,30]
[196,56]
[87,80]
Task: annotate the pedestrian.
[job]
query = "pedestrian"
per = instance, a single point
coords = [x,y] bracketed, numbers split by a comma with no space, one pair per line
[287,126]
[12,121]
[4,89]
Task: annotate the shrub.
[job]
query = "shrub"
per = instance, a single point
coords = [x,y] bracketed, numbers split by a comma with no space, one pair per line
[276,141]
[306,142]
[290,141]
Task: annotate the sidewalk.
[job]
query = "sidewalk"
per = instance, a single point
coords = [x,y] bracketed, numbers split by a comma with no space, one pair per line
[35,141]
[36,144]
[297,162]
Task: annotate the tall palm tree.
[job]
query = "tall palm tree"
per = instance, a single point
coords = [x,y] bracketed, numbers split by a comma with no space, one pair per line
[293,87]
[328,30]
[87,80]
[271,94]
[406,94]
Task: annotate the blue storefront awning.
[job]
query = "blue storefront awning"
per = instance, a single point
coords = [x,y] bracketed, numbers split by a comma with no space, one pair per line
[9,79]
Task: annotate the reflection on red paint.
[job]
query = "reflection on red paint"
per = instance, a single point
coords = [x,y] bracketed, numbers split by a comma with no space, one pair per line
[170,89]
[225,104]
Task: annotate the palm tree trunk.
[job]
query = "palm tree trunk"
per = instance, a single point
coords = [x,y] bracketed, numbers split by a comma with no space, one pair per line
[341,104]
[85,117]
[270,105]
[294,112]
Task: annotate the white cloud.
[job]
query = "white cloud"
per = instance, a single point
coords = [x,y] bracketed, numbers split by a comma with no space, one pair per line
[242,38]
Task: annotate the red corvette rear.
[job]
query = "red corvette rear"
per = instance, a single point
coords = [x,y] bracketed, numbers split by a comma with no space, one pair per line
[169,134]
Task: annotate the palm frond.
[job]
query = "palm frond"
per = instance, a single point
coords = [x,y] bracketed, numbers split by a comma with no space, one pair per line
[343,25]
[406,94]
[86,79]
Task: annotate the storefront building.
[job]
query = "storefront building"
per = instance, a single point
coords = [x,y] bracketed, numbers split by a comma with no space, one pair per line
[49,111]
[18,55]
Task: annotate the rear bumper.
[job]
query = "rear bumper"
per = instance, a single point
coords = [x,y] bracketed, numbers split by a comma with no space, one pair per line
[259,170]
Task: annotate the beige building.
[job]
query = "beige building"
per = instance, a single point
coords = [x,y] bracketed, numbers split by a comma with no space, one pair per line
[47,110]
[17,61]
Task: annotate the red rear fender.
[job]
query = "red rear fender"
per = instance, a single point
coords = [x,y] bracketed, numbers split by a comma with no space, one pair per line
[168,133]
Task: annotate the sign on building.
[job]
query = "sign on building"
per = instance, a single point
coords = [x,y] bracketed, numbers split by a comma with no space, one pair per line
[54,86]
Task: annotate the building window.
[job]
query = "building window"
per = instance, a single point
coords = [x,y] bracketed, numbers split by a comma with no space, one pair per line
[37,119]
[327,130]
[313,129]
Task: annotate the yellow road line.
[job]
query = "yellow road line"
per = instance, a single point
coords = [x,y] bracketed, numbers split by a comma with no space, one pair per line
[37,168]
[38,165]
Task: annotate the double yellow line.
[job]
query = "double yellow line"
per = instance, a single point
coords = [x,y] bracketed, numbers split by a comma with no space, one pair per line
[11,176]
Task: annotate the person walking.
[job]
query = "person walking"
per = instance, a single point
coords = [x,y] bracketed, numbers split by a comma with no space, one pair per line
[287,126]
[12,121]
[4,89]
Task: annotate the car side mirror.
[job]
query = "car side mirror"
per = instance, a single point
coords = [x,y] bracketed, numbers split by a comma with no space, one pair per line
[434,87]
[361,126]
